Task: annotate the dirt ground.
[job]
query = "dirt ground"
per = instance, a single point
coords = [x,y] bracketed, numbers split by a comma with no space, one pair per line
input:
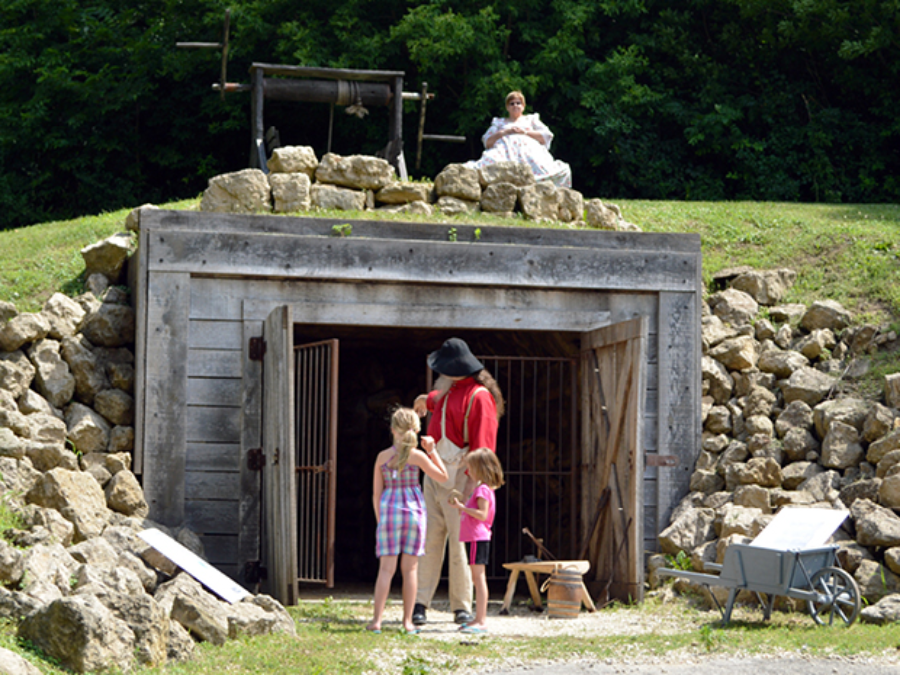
[522,623]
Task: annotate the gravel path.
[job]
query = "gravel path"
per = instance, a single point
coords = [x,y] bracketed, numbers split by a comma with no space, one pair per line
[523,623]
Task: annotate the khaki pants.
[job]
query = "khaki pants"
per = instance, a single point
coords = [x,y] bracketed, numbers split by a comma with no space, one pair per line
[443,529]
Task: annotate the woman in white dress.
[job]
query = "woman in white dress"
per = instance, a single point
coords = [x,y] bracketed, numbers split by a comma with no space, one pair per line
[522,138]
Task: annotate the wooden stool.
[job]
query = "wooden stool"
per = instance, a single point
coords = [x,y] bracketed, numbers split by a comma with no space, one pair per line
[543,567]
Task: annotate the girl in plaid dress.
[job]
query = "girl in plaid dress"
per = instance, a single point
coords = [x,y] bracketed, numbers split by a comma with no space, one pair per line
[400,511]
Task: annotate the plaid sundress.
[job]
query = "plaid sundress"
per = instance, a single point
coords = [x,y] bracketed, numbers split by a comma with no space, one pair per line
[401,523]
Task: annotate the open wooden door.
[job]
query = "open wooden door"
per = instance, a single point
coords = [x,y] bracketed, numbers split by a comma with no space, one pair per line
[316,418]
[279,470]
[612,409]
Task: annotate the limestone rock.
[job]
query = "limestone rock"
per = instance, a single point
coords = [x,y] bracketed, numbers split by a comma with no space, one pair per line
[116,406]
[849,410]
[359,172]
[884,445]
[452,206]
[861,489]
[88,431]
[571,205]
[90,378]
[601,216]
[884,612]
[77,496]
[841,448]
[52,376]
[64,316]
[81,634]
[825,314]
[290,192]
[108,257]
[124,494]
[404,192]
[767,287]
[133,219]
[814,345]
[878,423]
[714,330]
[518,174]
[876,581]
[721,383]
[110,325]
[16,373]
[329,197]
[689,530]
[245,191]
[738,353]
[540,201]
[763,471]
[499,198]
[13,664]
[293,159]
[807,385]
[796,473]
[875,525]
[733,306]
[22,329]
[781,363]
[892,390]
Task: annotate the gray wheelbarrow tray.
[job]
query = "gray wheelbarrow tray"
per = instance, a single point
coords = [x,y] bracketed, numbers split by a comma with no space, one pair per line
[811,575]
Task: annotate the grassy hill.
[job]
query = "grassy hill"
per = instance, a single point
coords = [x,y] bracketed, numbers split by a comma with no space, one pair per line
[846,252]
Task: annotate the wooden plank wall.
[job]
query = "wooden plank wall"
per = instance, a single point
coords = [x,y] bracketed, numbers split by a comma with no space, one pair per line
[200,404]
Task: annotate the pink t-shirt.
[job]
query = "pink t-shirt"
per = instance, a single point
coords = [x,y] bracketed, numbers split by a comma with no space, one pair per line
[472,529]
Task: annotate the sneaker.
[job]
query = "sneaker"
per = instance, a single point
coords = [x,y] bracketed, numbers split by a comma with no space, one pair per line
[461,617]
[418,617]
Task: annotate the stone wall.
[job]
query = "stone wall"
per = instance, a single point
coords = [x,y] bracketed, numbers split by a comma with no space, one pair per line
[83,586]
[783,427]
[298,181]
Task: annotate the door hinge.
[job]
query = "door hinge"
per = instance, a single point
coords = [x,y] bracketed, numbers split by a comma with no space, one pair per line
[257,348]
[660,460]
[256,460]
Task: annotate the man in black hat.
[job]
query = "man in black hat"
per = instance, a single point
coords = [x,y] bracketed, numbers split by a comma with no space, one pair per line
[466,406]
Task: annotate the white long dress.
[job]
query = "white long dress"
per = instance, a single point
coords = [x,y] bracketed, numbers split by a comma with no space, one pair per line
[523,148]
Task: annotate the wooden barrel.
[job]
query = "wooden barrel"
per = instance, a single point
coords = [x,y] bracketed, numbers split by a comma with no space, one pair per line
[564,591]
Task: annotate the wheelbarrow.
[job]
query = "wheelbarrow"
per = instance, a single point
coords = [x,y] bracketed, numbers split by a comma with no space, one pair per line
[812,575]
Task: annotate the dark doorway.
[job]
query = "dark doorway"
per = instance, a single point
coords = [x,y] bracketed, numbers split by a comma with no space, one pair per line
[383,367]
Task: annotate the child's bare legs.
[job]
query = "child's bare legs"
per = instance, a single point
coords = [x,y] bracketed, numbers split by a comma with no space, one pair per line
[386,568]
[479,580]
[409,566]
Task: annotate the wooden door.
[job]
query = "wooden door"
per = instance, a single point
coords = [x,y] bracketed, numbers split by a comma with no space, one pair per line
[279,473]
[612,407]
[316,461]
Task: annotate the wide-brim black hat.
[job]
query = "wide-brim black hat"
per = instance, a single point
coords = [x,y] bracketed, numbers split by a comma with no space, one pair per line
[454,359]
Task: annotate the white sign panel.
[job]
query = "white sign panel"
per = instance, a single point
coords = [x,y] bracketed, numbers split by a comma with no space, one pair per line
[194,565]
[799,529]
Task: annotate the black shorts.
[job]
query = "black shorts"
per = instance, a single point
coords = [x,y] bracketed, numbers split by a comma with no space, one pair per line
[479,552]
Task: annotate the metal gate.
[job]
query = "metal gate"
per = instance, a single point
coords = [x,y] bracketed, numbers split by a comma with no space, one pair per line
[316,389]
[537,443]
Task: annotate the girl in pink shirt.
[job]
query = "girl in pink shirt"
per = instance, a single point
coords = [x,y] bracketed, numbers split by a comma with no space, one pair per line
[476,519]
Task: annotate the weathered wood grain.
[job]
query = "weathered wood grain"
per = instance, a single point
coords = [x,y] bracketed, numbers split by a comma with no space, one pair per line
[679,393]
[212,424]
[163,220]
[164,369]
[371,260]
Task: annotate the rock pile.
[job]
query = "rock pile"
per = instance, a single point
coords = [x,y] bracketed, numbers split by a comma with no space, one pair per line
[780,431]
[297,181]
[85,588]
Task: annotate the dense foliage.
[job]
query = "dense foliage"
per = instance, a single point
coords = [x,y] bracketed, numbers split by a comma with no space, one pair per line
[790,100]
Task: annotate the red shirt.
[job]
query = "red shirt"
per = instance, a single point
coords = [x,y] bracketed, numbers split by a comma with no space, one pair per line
[482,416]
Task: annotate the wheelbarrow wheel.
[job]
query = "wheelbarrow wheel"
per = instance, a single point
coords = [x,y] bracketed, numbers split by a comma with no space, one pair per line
[837,596]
